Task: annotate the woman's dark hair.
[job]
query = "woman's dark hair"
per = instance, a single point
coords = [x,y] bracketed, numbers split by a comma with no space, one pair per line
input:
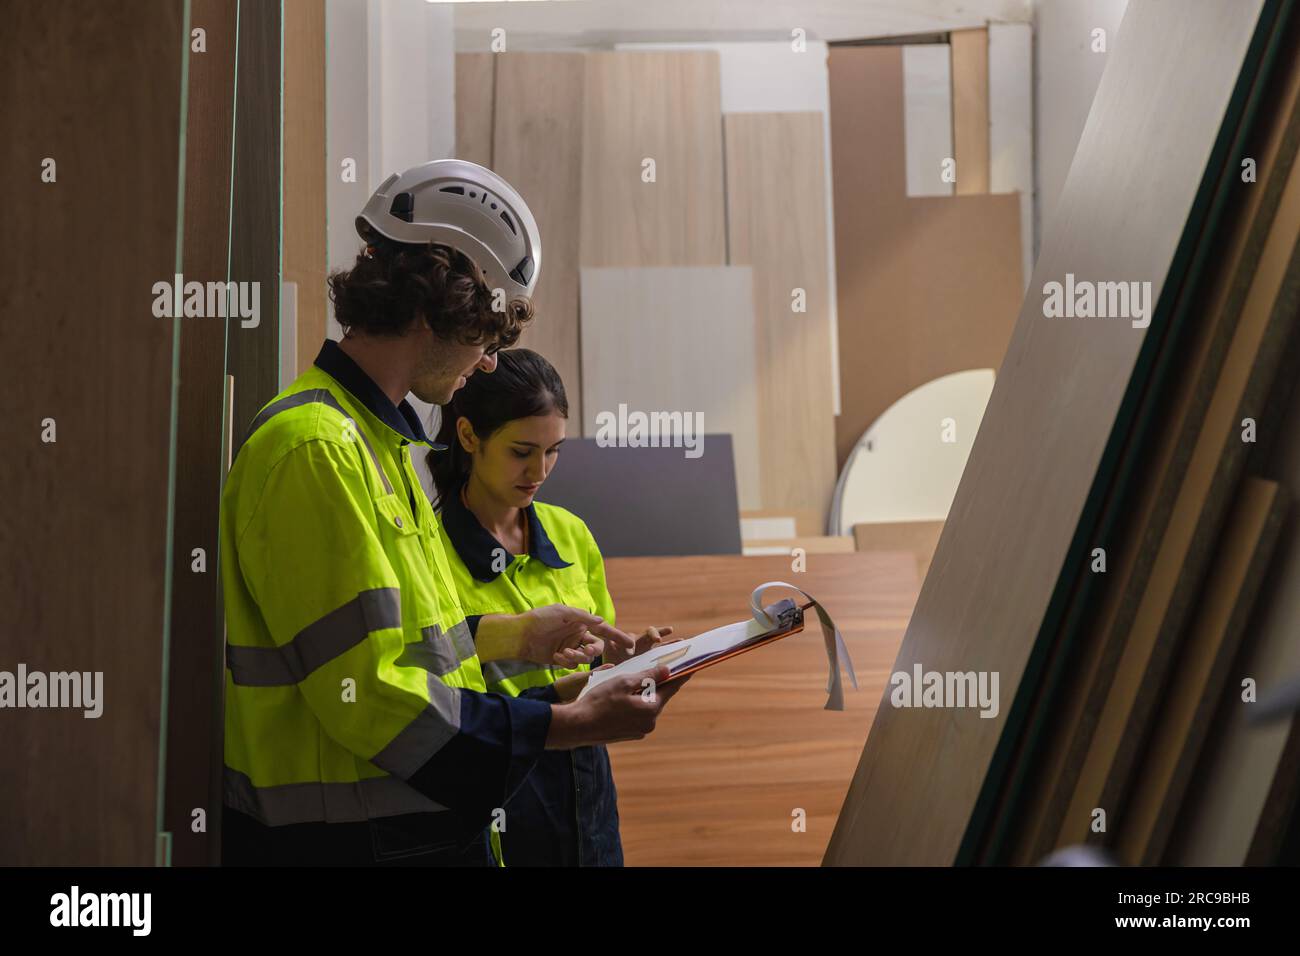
[393,283]
[523,385]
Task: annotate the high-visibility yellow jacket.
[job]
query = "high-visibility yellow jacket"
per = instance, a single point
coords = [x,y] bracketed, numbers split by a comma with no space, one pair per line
[566,812]
[353,693]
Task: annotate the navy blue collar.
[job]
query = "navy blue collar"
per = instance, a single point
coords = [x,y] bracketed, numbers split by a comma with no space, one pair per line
[402,418]
[476,545]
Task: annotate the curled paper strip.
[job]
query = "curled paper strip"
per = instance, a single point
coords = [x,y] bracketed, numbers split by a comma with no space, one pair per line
[835,648]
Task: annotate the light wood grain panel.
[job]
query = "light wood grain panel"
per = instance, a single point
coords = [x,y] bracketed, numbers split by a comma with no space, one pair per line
[97,89]
[1056,400]
[676,340]
[665,107]
[305,254]
[748,742]
[812,544]
[774,161]
[1197,682]
[970,110]
[919,537]
[475,95]
[538,149]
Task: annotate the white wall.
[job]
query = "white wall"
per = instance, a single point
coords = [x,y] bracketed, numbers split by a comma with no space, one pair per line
[1067,72]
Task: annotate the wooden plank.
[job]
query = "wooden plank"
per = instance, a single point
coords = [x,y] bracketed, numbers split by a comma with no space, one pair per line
[805,520]
[96,89]
[539,113]
[1056,401]
[927,117]
[635,324]
[197,656]
[305,255]
[1197,682]
[748,743]
[931,283]
[774,229]
[253,351]
[663,107]
[475,97]
[811,544]
[919,537]
[970,110]
[1215,465]
[1241,763]
[1168,452]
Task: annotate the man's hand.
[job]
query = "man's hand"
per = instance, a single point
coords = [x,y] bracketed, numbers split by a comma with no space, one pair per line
[624,708]
[629,647]
[555,635]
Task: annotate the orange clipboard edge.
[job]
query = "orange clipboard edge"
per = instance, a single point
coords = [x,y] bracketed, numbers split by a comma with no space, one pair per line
[794,627]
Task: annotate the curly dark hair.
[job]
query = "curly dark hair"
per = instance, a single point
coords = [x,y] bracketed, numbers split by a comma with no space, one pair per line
[391,284]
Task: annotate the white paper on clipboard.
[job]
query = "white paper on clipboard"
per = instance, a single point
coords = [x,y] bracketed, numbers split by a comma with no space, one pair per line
[732,636]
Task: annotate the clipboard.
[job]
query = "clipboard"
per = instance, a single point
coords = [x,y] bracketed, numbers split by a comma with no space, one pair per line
[766,625]
[789,618]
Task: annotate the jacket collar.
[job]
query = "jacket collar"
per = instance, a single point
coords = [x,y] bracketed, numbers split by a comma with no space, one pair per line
[476,545]
[402,418]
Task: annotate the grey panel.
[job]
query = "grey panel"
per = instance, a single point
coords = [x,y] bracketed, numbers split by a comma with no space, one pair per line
[644,501]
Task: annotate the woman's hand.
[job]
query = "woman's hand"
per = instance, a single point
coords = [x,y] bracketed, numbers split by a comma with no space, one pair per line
[617,653]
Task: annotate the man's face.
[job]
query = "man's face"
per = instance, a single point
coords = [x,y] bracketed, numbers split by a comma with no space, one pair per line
[445,366]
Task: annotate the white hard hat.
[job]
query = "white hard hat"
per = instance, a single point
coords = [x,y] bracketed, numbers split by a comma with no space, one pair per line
[467,207]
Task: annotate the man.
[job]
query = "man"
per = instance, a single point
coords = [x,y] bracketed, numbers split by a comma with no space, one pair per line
[358,730]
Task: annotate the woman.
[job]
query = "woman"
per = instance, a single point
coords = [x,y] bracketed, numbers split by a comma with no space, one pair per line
[510,554]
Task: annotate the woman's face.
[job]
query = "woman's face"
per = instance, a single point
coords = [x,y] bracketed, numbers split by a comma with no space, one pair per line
[515,460]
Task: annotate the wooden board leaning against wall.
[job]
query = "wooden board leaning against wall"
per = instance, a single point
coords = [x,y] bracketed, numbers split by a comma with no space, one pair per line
[1011,526]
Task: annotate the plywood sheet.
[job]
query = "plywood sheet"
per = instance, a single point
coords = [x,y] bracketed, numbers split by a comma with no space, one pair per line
[970,110]
[475,89]
[773,77]
[783,237]
[637,326]
[95,88]
[662,107]
[1197,682]
[305,255]
[927,286]
[748,743]
[1047,425]
[539,100]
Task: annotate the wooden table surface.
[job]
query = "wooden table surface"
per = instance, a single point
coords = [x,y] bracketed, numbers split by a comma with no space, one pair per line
[747,743]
